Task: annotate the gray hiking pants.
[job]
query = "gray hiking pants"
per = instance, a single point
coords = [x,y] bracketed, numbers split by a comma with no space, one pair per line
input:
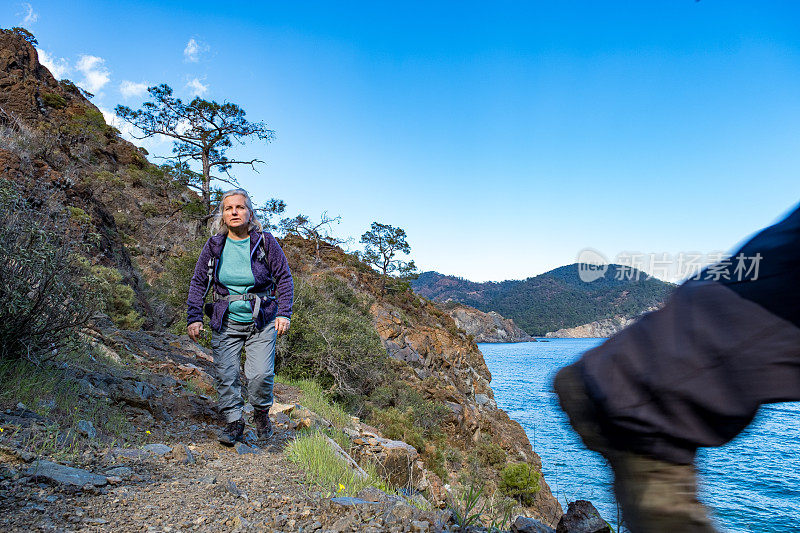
[259,366]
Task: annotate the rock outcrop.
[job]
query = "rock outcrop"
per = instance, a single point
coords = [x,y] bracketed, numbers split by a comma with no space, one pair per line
[486,327]
[582,517]
[597,329]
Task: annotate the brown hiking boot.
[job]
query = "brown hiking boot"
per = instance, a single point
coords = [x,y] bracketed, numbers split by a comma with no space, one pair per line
[263,423]
[655,496]
[232,432]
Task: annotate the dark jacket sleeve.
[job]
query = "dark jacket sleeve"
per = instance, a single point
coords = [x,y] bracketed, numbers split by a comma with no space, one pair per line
[197,287]
[279,269]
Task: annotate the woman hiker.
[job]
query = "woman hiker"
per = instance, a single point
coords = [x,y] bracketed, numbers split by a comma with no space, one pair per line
[251,289]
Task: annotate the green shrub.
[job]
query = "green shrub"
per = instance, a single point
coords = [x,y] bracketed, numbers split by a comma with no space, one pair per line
[144,174]
[520,481]
[150,209]
[437,463]
[109,178]
[78,215]
[490,454]
[54,100]
[124,221]
[173,286]
[88,125]
[118,298]
[423,414]
[332,339]
[193,209]
[47,293]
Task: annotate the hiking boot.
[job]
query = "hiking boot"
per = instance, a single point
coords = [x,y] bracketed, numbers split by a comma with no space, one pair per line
[232,432]
[655,496]
[263,423]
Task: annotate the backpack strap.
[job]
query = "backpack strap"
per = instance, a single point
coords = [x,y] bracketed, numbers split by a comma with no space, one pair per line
[261,255]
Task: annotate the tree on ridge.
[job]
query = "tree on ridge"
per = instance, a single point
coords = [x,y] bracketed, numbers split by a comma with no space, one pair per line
[383,242]
[318,232]
[202,131]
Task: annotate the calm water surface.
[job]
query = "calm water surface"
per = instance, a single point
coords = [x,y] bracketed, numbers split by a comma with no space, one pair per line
[751,484]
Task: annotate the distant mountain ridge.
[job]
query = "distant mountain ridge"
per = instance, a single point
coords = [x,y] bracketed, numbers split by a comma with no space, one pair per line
[555,300]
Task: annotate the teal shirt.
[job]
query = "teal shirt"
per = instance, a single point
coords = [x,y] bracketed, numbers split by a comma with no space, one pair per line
[236,274]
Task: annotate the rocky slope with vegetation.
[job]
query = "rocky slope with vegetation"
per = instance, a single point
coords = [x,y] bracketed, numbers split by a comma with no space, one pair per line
[555,300]
[381,387]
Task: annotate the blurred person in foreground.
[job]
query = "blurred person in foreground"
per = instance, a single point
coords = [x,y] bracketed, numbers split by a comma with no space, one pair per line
[691,374]
[251,288]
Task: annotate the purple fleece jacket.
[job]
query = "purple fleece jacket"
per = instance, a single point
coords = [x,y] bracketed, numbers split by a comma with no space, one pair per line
[276,268]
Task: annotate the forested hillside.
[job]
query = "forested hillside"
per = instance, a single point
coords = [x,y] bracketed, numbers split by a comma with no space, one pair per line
[554,300]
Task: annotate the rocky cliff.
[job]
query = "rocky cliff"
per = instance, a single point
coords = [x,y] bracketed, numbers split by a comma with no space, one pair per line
[485,327]
[597,329]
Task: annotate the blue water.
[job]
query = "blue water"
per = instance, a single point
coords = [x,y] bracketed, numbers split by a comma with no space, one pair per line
[751,484]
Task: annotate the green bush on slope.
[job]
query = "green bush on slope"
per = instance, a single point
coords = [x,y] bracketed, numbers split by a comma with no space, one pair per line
[47,292]
[520,481]
[332,339]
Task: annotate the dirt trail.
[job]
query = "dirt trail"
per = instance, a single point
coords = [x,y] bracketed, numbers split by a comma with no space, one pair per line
[212,488]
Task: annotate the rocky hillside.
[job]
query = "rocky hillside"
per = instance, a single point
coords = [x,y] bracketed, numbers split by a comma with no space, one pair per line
[551,301]
[485,327]
[432,356]
[417,379]
[56,144]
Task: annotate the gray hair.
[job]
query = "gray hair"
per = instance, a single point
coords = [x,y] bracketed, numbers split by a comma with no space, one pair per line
[218,226]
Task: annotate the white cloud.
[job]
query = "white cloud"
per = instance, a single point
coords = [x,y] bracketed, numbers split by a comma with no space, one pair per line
[193,50]
[30,16]
[196,87]
[58,66]
[130,89]
[95,73]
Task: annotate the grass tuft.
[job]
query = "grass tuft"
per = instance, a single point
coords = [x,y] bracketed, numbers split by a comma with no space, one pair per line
[313,453]
[317,400]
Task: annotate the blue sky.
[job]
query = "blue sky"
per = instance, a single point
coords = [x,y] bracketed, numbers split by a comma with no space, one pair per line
[503,137]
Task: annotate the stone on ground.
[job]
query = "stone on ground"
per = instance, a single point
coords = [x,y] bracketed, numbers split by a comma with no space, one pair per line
[64,475]
[523,524]
[582,517]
